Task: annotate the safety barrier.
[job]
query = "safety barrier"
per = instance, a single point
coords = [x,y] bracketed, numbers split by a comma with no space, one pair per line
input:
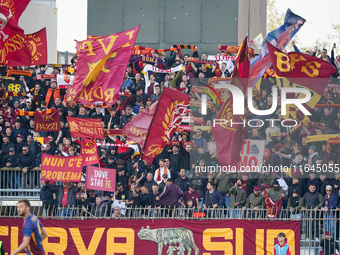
[15,184]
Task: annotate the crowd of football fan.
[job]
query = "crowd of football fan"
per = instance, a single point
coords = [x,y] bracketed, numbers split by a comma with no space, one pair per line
[177,176]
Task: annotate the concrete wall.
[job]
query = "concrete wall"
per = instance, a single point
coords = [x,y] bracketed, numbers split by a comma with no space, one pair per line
[37,16]
[254,13]
[206,23]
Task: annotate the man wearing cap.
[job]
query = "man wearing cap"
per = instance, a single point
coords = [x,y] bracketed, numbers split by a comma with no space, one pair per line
[193,195]
[281,248]
[12,160]
[312,155]
[328,245]
[255,201]
[19,143]
[121,173]
[297,186]
[276,192]
[29,105]
[295,204]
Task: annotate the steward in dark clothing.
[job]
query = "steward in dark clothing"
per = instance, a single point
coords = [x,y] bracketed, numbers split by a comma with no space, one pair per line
[328,245]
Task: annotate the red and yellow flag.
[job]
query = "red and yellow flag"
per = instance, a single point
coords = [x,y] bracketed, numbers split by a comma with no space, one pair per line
[242,67]
[101,67]
[171,108]
[230,138]
[88,149]
[12,39]
[302,69]
[37,44]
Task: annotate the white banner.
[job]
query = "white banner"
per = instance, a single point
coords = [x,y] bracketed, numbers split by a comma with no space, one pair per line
[251,155]
[64,80]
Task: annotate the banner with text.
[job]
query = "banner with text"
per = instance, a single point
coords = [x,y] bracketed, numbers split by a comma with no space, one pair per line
[37,44]
[86,127]
[100,179]
[251,156]
[61,169]
[88,149]
[134,237]
[46,122]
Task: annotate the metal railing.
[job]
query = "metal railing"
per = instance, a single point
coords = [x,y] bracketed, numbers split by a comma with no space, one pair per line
[314,224]
[15,184]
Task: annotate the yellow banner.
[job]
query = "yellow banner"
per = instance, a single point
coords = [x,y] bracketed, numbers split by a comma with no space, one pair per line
[320,138]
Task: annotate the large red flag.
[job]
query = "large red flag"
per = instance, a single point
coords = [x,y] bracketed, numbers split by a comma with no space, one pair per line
[242,67]
[12,39]
[171,108]
[37,44]
[101,67]
[300,68]
[138,127]
[230,137]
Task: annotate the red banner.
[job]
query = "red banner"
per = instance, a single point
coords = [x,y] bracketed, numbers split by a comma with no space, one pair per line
[61,169]
[229,138]
[46,123]
[37,44]
[85,127]
[137,128]
[101,67]
[100,179]
[134,237]
[299,68]
[12,39]
[171,108]
[88,149]
[242,67]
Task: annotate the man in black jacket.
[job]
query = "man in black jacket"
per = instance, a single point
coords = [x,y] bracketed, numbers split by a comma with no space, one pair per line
[26,164]
[312,200]
[66,199]
[182,181]
[328,245]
